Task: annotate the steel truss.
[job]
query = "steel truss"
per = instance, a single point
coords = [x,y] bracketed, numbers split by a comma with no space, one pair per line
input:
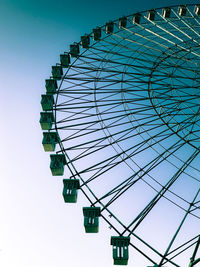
[127,114]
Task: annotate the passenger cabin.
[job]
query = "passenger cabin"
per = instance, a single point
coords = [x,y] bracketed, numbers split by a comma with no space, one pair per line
[197,10]
[57,164]
[122,22]
[91,219]
[46,120]
[74,50]
[166,12]
[85,41]
[57,72]
[47,102]
[120,249]
[137,18]
[70,190]
[109,27]
[65,60]
[182,10]
[96,34]
[51,86]
[151,15]
[50,139]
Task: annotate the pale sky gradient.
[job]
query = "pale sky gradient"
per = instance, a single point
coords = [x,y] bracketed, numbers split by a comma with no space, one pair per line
[36,228]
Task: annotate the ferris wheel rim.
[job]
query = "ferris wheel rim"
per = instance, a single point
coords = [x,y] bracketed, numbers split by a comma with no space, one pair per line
[106,36]
[72,168]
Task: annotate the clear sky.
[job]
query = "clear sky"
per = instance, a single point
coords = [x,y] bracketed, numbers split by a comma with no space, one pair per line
[36,228]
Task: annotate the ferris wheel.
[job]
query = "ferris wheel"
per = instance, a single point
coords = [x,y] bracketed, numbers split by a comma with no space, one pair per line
[122,110]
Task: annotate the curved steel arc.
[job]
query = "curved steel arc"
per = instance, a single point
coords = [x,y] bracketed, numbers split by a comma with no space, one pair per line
[127,95]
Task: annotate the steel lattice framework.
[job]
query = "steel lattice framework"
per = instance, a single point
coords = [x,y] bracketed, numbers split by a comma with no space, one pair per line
[126,111]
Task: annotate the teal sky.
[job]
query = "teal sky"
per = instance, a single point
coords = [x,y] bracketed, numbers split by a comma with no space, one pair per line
[36,228]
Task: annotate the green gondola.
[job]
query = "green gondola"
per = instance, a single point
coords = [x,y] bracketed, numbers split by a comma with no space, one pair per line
[197,10]
[57,164]
[91,219]
[57,72]
[137,18]
[51,86]
[70,190]
[65,60]
[182,10]
[122,22]
[166,12]
[46,120]
[120,249]
[47,102]
[85,41]
[109,27]
[96,34]
[74,50]
[50,139]
[151,15]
